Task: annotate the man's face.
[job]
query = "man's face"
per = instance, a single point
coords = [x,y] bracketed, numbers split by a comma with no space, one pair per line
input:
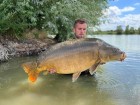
[80,30]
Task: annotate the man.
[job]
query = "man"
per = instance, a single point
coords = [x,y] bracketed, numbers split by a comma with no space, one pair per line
[80,28]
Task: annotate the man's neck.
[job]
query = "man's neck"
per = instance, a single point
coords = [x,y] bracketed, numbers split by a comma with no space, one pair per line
[79,38]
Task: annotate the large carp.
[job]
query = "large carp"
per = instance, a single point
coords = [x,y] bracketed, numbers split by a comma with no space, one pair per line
[74,57]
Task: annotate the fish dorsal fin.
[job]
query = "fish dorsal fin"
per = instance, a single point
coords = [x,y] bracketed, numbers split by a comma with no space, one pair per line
[63,44]
[75,76]
[58,47]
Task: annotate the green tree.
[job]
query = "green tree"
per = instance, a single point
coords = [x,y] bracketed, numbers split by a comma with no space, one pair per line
[16,16]
[127,29]
[119,30]
[132,30]
[139,30]
[56,16]
[60,14]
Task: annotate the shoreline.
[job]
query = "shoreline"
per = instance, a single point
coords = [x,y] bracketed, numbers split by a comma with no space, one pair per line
[19,48]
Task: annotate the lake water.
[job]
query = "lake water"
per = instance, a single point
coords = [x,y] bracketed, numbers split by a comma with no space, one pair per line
[115,83]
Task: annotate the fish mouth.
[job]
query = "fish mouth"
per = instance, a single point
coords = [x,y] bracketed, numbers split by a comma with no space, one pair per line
[123,56]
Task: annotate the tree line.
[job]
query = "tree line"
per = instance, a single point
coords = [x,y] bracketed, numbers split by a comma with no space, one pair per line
[119,31]
[128,30]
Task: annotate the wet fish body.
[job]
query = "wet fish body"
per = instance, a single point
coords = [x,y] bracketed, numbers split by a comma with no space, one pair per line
[74,57]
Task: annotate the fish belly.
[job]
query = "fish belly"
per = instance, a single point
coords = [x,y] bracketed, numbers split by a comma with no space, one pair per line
[71,63]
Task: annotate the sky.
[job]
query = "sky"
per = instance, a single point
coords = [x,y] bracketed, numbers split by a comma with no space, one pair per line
[122,12]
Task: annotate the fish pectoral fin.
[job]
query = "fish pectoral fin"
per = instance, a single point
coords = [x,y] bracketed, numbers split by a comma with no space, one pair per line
[75,76]
[92,69]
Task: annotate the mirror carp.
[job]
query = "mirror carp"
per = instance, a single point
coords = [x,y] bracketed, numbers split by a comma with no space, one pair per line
[73,57]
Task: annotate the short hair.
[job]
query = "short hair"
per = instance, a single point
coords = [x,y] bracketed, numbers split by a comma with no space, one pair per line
[81,21]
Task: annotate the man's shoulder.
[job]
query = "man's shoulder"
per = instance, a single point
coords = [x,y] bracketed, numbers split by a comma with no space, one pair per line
[72,36]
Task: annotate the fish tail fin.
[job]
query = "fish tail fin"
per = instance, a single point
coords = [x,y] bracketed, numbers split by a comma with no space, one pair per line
[31,69]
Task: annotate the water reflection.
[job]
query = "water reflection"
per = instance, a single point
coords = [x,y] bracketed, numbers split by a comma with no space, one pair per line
[115,83]
[54,89]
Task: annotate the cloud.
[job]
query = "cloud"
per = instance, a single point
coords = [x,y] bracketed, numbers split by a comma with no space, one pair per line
[127,9]
[114,0]
[137,4]
[115,17]
[114,10]
[131,20]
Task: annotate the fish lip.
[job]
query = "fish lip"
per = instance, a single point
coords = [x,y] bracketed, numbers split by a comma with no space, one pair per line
[123,56]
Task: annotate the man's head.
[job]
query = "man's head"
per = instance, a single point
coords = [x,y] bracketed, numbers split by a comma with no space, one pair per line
[80,28]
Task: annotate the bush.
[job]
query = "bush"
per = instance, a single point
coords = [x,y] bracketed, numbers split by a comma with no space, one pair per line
[56,16]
